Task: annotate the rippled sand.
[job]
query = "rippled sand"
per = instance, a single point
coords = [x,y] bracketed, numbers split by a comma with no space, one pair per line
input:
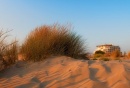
[65,72]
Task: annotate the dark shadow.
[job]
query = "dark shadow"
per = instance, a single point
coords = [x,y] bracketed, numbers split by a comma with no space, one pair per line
[18,67]
[28,85]
[91,62]
[107,68]
[44,84]
[93,72]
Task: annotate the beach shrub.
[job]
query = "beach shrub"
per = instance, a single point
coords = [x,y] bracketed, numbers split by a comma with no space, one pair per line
[51,40]
[8,51]
[98,54]
[117,59]
[128,55]
[104,59]
[94,59]
[11,53]
[115,54]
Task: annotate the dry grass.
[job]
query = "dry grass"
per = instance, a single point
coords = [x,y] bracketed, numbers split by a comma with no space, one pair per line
[115,54]
[10,54]
[128,54]
[46,40]
[8,51]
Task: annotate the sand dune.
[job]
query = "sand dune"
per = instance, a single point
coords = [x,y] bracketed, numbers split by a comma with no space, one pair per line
[65,72]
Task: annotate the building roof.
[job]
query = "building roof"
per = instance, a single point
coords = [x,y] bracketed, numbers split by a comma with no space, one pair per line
[104,45]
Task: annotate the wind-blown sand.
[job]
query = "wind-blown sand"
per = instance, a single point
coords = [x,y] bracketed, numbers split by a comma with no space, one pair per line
[65,72]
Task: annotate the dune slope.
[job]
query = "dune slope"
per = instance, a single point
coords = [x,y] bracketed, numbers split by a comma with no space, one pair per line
[65,72]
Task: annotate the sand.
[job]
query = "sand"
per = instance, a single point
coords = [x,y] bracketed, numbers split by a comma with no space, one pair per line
[65,72]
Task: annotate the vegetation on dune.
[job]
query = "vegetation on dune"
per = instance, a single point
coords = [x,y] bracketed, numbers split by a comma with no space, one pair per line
[128,55]
[8,51]
[51,40]
[99,54]
[94,59]
[115,54]
[105,59]
[11,53]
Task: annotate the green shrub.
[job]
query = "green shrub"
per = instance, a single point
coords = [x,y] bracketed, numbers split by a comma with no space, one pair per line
[98,55]
[99,52]
[46,40]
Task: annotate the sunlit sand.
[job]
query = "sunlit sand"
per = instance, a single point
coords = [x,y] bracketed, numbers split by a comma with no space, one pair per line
[65,72]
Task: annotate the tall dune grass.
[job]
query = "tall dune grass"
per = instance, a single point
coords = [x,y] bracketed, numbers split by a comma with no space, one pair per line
[8,51]
[11,53]
[51,40]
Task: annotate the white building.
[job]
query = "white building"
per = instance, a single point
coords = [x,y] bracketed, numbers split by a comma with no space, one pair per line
[107,48]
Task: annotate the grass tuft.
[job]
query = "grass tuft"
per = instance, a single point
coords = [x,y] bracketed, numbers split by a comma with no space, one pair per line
[47,40]
[8,51]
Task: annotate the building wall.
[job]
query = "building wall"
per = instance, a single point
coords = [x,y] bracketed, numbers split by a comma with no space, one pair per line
[107,48]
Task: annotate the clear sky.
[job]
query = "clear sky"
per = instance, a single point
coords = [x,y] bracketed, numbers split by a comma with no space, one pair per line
[97,21]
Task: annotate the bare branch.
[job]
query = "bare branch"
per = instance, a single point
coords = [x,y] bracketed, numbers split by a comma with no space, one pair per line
[3,33]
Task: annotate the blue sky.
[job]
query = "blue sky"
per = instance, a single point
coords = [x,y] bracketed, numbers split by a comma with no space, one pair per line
[97,21]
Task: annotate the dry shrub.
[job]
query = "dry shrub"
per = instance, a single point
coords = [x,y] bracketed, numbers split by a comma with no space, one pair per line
[46,41]
[128,55]
[8,51]
[11,53]
[105,59]
[115,54]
